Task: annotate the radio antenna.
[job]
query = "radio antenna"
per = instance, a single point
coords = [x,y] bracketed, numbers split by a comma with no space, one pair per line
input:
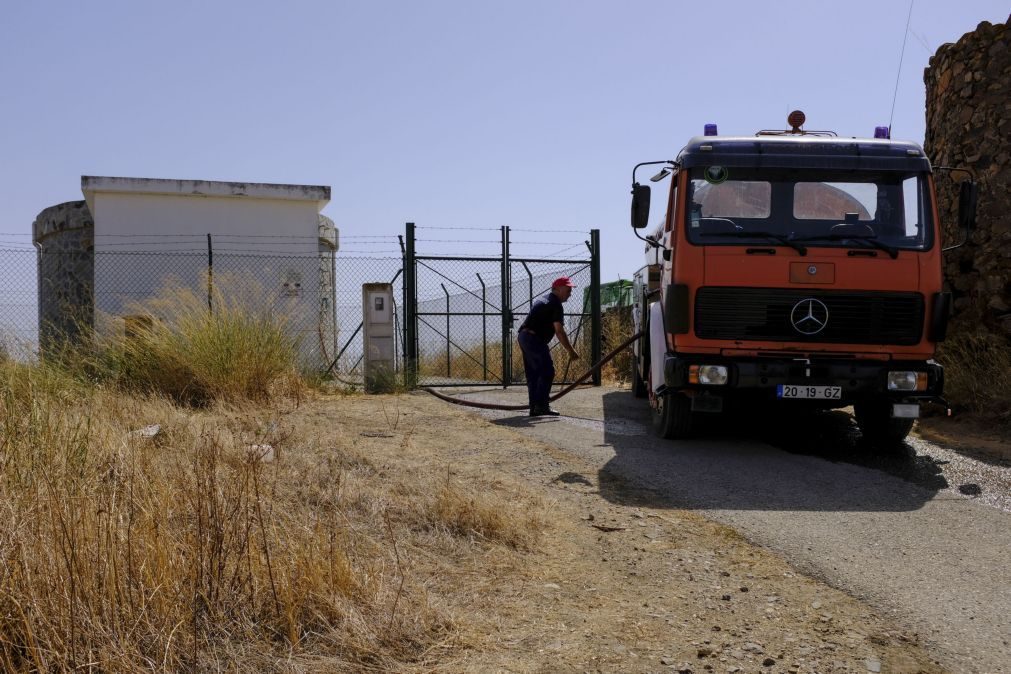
[899,73]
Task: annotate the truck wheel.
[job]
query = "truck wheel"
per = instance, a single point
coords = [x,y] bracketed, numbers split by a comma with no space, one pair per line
[672,416]
[638,385]
[878,425]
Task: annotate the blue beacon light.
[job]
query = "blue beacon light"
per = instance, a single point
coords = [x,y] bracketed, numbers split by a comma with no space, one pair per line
[710,130]
[882,132]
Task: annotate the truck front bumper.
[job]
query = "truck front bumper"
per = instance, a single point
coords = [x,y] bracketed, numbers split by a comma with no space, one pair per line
[859,380]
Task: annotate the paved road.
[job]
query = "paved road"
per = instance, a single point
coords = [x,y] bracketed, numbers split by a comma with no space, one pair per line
[930,549]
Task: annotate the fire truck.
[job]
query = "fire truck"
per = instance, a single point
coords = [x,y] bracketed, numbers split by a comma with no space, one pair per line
[794,269]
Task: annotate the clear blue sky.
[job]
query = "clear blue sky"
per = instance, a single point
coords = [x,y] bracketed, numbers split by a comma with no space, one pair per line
[462,114]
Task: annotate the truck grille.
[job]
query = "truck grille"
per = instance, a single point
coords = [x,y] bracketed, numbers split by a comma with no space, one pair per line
[764,314]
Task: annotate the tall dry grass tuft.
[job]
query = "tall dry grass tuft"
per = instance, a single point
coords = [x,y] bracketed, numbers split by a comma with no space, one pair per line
[977,373]
[478,362]
[483,515]
[125,552]
[475,362]
[616,327]
[176,346]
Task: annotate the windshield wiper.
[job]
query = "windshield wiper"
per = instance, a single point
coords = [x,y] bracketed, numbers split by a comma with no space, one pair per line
[872,241]
[745,234]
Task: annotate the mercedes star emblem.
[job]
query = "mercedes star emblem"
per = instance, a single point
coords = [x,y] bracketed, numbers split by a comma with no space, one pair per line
[809,316]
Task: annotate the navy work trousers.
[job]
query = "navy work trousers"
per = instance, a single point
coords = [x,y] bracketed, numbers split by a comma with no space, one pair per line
[537,365]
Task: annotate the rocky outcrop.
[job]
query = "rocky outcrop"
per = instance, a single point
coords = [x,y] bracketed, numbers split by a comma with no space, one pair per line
[969,125]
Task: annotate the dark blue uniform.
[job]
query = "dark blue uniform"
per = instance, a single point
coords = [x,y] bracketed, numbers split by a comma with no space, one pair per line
[534,336]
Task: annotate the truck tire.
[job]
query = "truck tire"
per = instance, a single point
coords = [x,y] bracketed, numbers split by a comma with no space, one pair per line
[638,385]
[672,416]
[878,425]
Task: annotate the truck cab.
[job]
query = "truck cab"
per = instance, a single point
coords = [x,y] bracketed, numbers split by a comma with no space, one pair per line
[796,269]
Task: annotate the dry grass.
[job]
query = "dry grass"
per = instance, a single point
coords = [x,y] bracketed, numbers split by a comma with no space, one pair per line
[468,364]
[242,350]
[200,545]
[977,374]
[482,515]
[616,327]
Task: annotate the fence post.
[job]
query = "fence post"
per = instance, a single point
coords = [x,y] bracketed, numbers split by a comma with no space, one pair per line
[530,285]
[507,311]
[484,326]
[595,318]
[410,312]
[449,355]
[398,315]
[210,273]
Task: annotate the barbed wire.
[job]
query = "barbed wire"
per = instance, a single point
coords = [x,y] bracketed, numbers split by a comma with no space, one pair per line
[511,243]
[564,250]
[156,243]
[552,231]
[215,237]
[511,229]
[203,236]
[398,253]
[202,252]
[387,237]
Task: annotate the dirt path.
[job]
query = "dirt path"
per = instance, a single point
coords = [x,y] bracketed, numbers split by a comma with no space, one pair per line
[621,579]
[888,528]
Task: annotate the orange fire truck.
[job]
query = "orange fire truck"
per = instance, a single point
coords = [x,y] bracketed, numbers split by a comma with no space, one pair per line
[793,268]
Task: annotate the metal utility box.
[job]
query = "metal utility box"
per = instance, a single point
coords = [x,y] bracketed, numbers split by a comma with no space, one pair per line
[380,335]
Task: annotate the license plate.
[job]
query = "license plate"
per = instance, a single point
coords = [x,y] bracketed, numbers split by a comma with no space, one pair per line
[809,392]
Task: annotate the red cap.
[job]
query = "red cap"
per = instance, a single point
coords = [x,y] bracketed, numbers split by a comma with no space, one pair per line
[563,281]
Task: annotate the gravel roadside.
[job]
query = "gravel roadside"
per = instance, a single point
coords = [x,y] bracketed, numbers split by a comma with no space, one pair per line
[920,535]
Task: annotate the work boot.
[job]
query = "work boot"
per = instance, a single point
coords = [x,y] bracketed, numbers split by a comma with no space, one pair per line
[543,410]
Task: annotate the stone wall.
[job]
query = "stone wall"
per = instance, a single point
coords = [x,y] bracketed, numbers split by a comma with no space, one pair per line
[64,235]
[969,126]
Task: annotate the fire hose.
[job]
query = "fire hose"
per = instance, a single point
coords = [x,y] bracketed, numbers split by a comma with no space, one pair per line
[493,406]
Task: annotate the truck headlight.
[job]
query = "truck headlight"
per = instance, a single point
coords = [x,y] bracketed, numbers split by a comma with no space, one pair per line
[712,375]
[907,381]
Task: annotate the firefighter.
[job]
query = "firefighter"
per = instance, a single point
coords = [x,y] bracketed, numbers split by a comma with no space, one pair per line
[545,321]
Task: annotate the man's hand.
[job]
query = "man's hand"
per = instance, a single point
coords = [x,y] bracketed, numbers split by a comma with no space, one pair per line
[563,339]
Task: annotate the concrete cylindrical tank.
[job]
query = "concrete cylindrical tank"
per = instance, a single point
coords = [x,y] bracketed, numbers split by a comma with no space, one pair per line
[64,238]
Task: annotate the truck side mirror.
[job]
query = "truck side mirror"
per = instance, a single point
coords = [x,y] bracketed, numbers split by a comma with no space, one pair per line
[640,206]
[967,195]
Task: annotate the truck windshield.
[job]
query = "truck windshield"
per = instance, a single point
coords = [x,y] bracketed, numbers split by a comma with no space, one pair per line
[885,210]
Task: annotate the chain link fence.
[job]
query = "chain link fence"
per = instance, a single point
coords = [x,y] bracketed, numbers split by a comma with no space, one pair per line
[19,333]
[298,290]
[318,296]
[458,314]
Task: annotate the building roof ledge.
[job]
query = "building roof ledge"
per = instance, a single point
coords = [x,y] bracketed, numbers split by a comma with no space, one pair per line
[90,185]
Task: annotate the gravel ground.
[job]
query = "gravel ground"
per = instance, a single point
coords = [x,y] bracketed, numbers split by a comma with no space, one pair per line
[921,534]
[986,483]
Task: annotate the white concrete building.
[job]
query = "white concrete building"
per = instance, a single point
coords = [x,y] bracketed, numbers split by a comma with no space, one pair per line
[264,237]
